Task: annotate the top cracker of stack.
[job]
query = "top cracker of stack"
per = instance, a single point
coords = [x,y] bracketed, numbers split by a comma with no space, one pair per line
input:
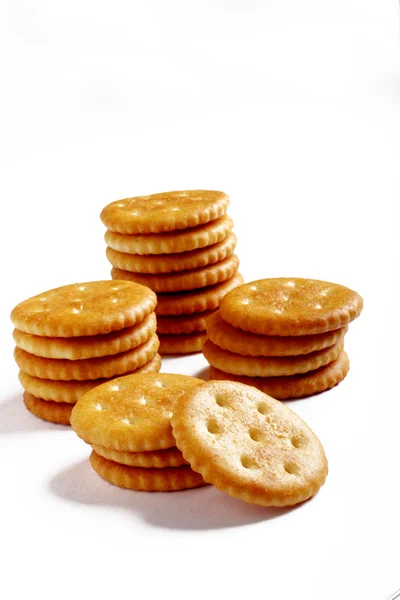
[179,244]
[283,336]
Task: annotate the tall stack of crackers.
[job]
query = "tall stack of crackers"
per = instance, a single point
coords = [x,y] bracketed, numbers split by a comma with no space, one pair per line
[180,245]
[284,336]
[73,338]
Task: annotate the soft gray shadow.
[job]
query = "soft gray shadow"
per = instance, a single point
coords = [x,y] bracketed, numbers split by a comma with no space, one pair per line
[199,509]
[15,418]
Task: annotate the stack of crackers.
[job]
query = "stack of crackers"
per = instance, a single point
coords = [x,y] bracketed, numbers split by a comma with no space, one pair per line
[161,432]
[180,245]
[73,338]
[283,336]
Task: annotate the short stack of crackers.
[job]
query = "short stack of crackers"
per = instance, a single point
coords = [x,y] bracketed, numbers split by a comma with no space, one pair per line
[73,338]
[180,245]
[284,336]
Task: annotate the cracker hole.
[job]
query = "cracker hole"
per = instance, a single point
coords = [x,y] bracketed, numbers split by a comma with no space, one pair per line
[115,288]
[245,301]
[81,287]
[130,421]
[255,434]
[221,401]
[98,406]
[248,462]
[291,468]
[263,408]
[290,284]
[43,299]
[318,306]
[297,441]
[114,300]
[75,311]
[213,427]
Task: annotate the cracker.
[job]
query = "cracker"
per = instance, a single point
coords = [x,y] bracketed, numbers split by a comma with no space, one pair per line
[82,309]
[183,324]
[164,212]
[87,368]
[171,263]
[182,344]
[170,479]
[90,346]
[235,340]
[71,391]
[55,412]
[294,386]
[187,280]
[131,413]
[155,459]
[249,445]
[291,306]
[187,303]
[173,241]
[259,366]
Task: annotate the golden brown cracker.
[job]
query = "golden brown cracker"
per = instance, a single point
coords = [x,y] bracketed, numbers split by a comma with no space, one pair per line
[183,343]
[186,280]
[236,340]
[170,479]
[294,386]
[171,263]
[183,323]
[131,413]
[290,306]
[82,309]
[167,211]
[183,240]
[154,459]
[87,368]
[55,412]
[249,445]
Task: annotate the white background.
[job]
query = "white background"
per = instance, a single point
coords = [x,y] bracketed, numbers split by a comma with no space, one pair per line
[292,107]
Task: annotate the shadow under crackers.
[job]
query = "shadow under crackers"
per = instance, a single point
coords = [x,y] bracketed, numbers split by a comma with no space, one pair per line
[15,418]
[199,509]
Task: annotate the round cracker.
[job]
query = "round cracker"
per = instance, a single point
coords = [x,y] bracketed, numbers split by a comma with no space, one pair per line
[170,479]
[249,445]
[87,368]
[187,280]
[83,309]
[131,413]
[290,306]
[182,344]
[259,366]
[55,412]
[174,241]
[71,391]
[152,459]
[92,346]
[294,386]
[186,303]
[235,340]
[171,263]
[164,212]
[183,324]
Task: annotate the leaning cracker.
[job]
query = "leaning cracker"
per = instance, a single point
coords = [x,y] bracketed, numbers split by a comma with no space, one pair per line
[91,346]
[171,263]
[131,413]
[249,445]
[87,368]
[183,323]
[294,386]
[170,479]
[155,459]
[173,241]
[291,306]
[187,280]
[235,340]
[164,212]
[71,391]
[55,412]
[259,366]
[182,344]
[187,303]
[82,309]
